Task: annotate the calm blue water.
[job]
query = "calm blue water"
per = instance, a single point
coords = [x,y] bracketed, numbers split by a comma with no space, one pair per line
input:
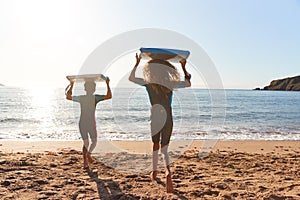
[45,114]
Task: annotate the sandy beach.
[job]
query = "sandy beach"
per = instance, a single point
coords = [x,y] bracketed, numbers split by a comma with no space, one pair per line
[232,170]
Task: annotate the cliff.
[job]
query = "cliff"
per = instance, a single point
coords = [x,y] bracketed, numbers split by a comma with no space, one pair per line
[289,84]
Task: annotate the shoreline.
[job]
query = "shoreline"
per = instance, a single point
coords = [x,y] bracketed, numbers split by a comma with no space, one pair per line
[249,146]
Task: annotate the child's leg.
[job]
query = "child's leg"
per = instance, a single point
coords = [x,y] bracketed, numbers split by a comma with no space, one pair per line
[84,135]
[165,140]
[164,151]
[154,160]
[169,184]
[94,137]
[93,144]
[92,147]
[155,141]
[85,153]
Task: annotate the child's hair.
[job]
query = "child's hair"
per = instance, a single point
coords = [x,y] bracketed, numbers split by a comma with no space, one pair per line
[89,85]
[161,72]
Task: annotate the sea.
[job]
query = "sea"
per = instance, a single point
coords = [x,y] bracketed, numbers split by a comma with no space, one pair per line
[45,114]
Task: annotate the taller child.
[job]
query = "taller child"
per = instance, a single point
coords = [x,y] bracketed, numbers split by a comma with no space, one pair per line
[160,79]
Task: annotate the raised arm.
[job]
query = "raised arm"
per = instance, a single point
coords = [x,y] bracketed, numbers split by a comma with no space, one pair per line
[69,90]
[132,76]
[187,76]
[108,93]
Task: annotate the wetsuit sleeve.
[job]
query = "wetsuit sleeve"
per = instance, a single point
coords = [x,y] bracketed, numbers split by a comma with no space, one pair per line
[99,97]
[76,98]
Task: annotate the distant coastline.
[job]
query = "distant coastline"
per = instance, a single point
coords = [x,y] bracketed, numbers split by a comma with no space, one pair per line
[285,84]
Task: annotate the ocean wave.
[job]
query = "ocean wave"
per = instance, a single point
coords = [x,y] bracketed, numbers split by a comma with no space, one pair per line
[18,120]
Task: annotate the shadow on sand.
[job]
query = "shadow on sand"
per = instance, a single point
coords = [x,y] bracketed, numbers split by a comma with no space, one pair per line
[109,189]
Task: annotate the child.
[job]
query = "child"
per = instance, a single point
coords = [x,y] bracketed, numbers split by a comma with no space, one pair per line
[160,79]
[87,122]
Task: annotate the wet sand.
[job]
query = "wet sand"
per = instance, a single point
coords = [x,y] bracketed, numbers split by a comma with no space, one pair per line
[232,170]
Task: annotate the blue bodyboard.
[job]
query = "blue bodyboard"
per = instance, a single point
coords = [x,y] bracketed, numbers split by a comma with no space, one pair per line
[172,55]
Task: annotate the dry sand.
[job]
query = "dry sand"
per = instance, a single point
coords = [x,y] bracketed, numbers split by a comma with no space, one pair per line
[233,170]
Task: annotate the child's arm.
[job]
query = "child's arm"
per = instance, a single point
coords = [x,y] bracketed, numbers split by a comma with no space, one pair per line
[108,93]
[187,76]
[69,91]
[132,76]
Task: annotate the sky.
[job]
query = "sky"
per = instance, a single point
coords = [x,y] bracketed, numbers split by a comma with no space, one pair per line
[250,42]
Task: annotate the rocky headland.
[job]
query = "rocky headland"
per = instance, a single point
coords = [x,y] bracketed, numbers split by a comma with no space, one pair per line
[286,84]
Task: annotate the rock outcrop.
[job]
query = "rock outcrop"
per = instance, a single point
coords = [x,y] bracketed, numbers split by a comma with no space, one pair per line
[288,84]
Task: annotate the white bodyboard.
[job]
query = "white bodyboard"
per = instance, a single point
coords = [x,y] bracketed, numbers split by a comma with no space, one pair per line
[87,77]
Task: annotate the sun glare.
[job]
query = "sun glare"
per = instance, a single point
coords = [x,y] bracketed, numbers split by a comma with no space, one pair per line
[41,103]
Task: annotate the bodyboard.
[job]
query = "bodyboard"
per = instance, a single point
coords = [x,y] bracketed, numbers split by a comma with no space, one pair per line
[172,55]
[87,77]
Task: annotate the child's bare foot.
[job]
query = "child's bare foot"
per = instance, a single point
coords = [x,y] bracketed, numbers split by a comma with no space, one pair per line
[153,175]
[90,159]
[169,184]
[85,164]
[86,167]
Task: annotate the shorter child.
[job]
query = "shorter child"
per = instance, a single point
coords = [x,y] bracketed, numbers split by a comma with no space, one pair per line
[87,122]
